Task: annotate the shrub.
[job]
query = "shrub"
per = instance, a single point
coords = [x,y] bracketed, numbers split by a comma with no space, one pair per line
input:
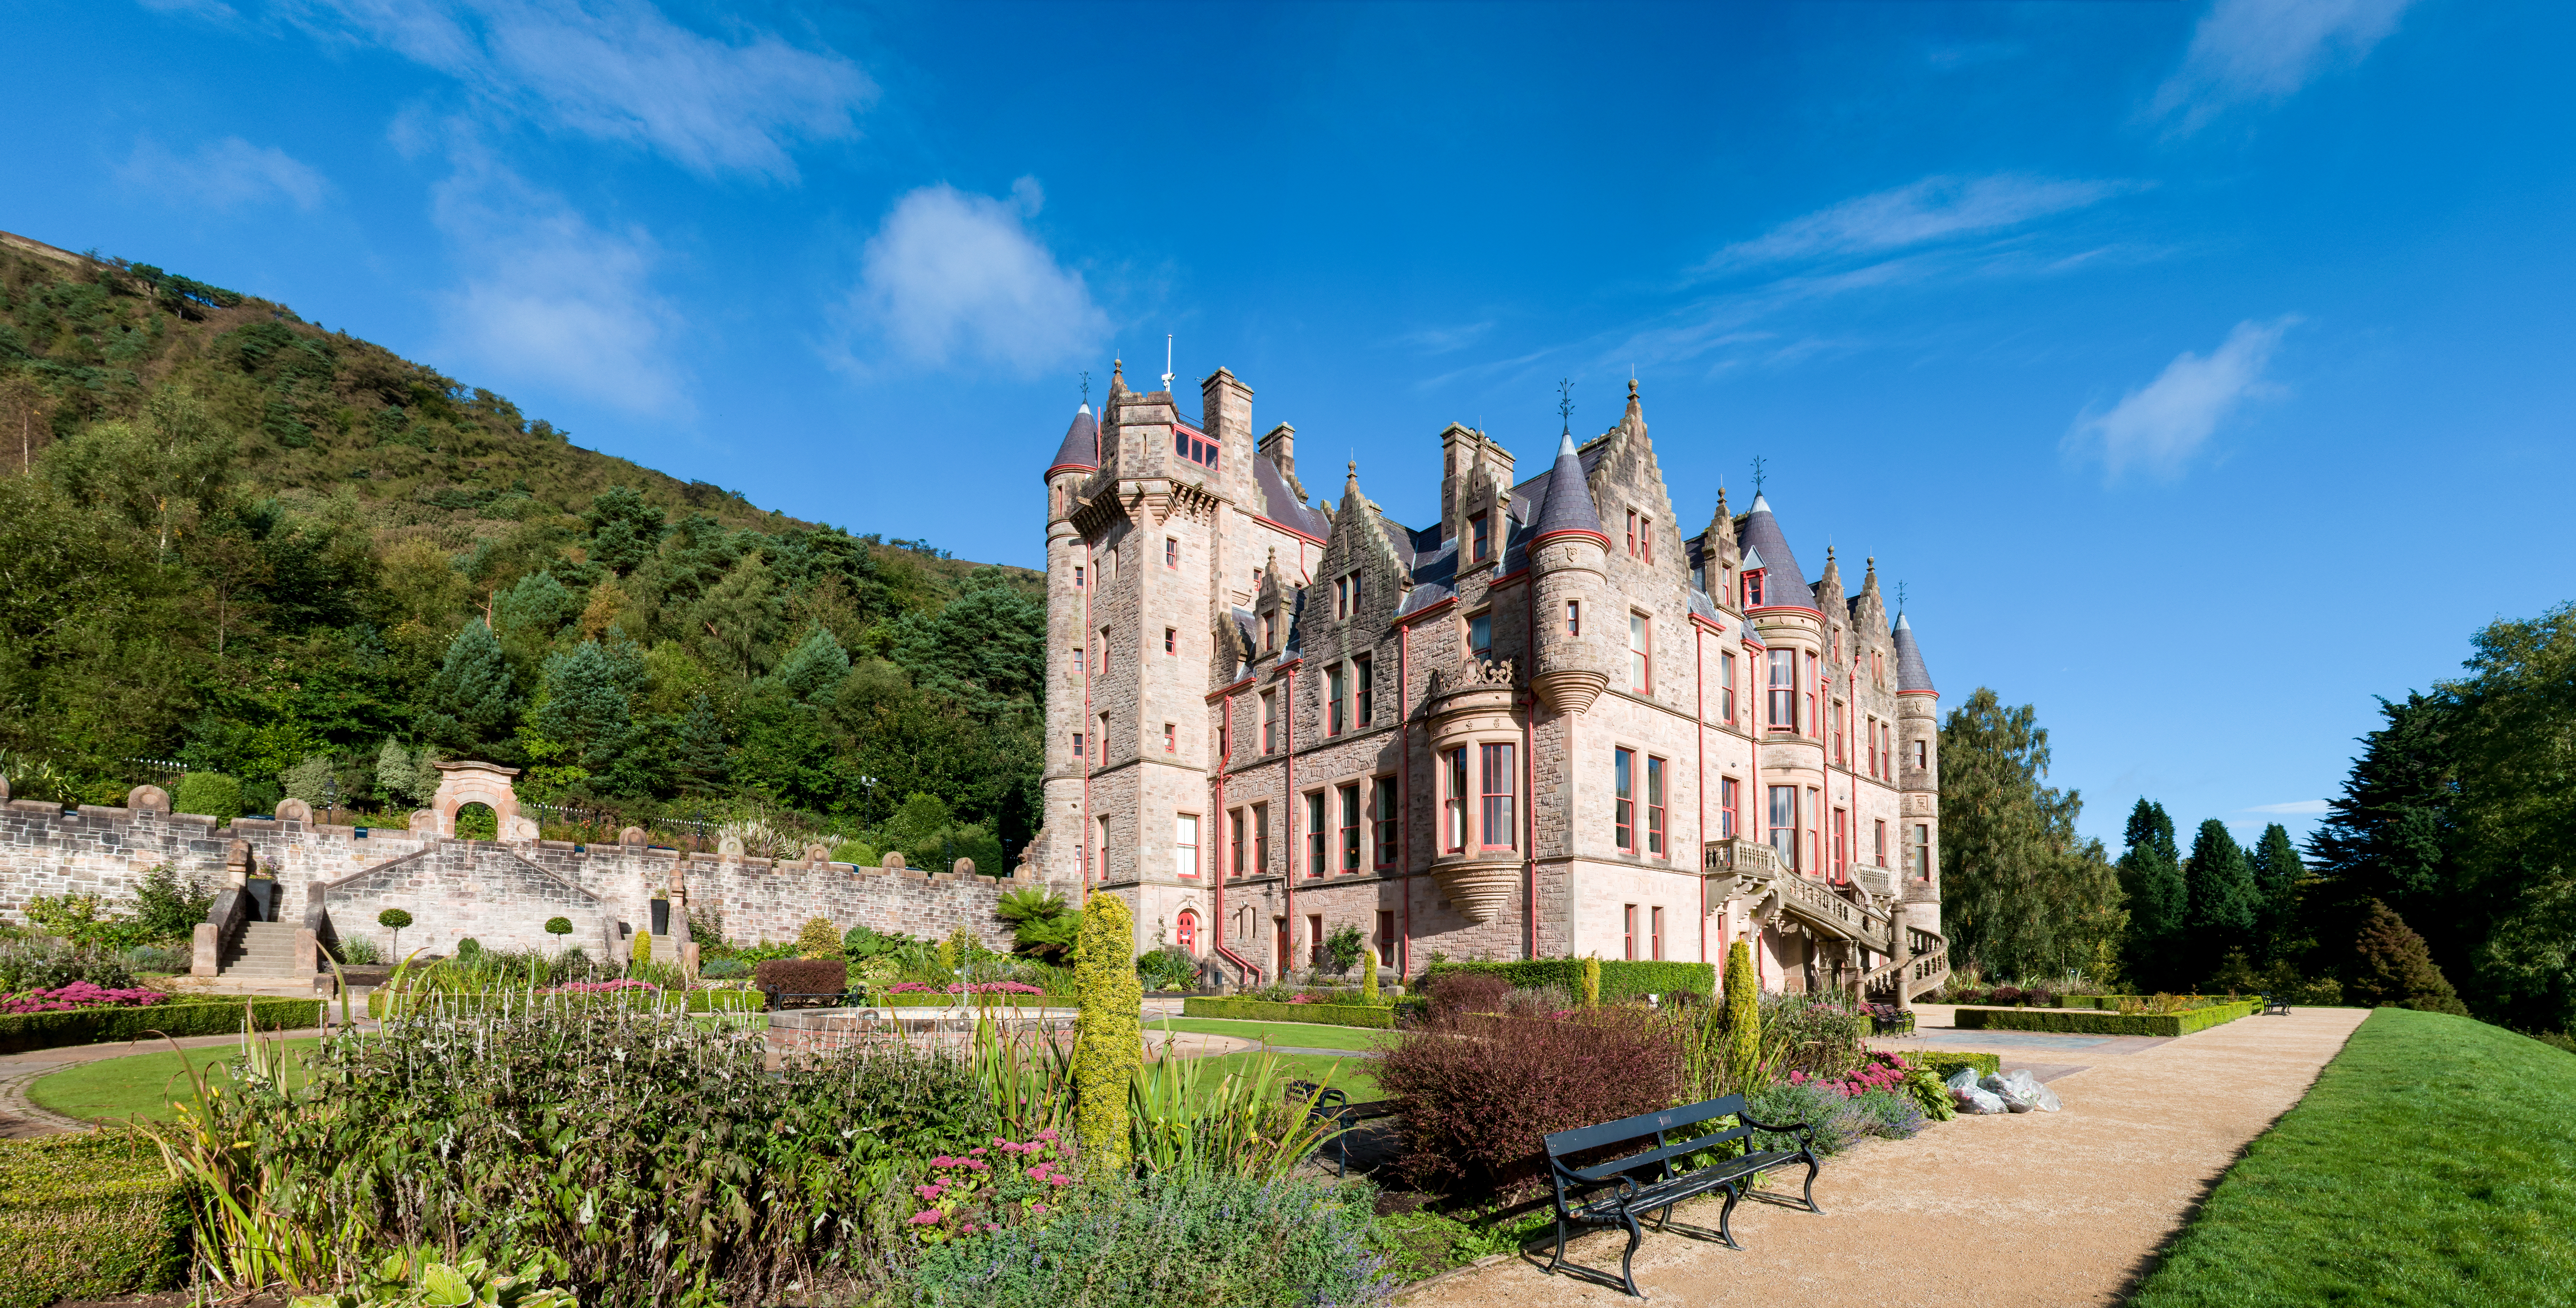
[211,794]
[1169,967]
[156,958]
[1620,979]
[1368,977]
[1592,982]
[1478,1091]
[720,969]
[1839,1121]
[1165,1240]
[1380,1016]
[1342,948]
[166,907]
[2039,997]
[817,939]
[642,950]
[87,1026]
[2392,967]
[562,926]
[2004,996]
[1472,992]
[413,1280]
[1106,1045]
[1819,1035]
[804,977]
[48,964]
[77,995]
[1743,1017]
[85,1217]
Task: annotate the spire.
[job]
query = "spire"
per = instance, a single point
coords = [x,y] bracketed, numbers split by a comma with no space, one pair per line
[1833,579]
[1569,499]
[1912,677]
[1869,578]
[1081,449]
[1784,585]
[1634,420]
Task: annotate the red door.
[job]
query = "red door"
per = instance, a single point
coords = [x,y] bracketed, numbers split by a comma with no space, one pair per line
[1189,932]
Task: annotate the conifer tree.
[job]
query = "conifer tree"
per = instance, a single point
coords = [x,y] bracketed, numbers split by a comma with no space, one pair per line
[1743,994]
[2392,967]
[2151,879]
[815,667]
[470,700]
[585,710]
[2393,836]
[2021,894]
[1106,1045]
[2223,900]
[2278,875]
[702,743]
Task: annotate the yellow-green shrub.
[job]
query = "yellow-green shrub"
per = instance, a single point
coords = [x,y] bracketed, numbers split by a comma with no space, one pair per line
[1107,1046]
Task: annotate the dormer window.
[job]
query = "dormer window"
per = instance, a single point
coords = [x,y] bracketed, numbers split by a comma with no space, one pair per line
[1270,629]
[1480,540]
[1480,635]
[1346,596]
[1753,589]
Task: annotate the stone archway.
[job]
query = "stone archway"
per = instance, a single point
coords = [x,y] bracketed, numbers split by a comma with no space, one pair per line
[469,782]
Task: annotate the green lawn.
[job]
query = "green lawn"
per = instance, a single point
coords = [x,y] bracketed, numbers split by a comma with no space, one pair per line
[1349,1075]
[1291,1035]
[2434,1163]
[138,1085]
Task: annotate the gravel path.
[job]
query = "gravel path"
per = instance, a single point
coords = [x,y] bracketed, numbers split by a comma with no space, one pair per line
[2032,1210]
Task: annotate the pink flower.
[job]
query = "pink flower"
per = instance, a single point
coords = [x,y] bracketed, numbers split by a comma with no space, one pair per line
[1047,1134]
[928,1217]
[979,1149]
[930,1193]
[1059,1179]
[1038,1173]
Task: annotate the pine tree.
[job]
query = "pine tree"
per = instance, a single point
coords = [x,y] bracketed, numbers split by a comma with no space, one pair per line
[470,701]
[815,667]
[2223,900]
[2151,879]
[585,709]
[2278,877]
[2393,836]
[2018,886]
[702,743]
[2391,966]
[624,530]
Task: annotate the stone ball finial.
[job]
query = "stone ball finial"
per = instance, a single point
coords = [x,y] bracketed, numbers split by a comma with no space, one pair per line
[424,821]
[141,799]
[520,829]
[964,867]
[631,836]
[730,849]
[294,810]
[893,861]
[818,852]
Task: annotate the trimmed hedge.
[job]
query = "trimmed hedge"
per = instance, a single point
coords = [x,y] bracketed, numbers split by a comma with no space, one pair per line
[911,999]
[1946,1061]
[700,1001]
[2078,1022]
[212,1015]
[1620,979]
[803,976]
[86,1216]
[1262,1010]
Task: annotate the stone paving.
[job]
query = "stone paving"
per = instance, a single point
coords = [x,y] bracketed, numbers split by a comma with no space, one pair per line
[2028,1209]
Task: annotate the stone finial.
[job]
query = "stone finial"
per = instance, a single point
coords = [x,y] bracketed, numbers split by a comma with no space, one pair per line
[893,861]
[632,836]
[520,829]
[818,852]
[964,867]
[729,849]
[141,799]
[424,821]
[294,810]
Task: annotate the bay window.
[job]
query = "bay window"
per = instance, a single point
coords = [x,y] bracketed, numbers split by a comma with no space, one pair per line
[1498,791]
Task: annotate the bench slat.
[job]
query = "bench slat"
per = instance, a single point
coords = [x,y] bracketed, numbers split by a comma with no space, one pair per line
[1604,1171]
[1576,1141]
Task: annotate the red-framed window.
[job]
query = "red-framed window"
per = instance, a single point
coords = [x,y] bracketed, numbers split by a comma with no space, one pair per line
[1922,851]
[1632,533]
[1195,448]
[1497,788]
[1655,843]
[1235,830]
[1171,640]
[1185,845]
[1077,660]
[1350,796]
[1726,687]
[1842,860]
[1346,596]
[1641,658]
[1645,540]
[1383,809]
[1260,840]
[1077,744]
[1880,842]
[1480,538]
[1315,833]
[1655,933]
[1171,738]
[1453,800]
[1104,848]
[1783,821]
[1730,801]
[1922,754]
[1480,634]
[1753,589]
[1386,937]
[1628,919]
[1364,687]
[1171,551]
[1269,722]
[1315,939]
[1623,800]
[1842,734]
[1574,617]
[1077,576]
[1783,709]
[1333,688]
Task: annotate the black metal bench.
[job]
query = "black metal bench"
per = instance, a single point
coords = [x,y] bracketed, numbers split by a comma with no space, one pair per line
[1637,1197]
[1331,1105]
[2276,1004]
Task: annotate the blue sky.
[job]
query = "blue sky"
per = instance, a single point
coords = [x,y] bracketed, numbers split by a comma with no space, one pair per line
[2201,369]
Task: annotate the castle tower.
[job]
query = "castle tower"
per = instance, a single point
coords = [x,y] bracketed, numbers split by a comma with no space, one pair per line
[1059,853]
[1918,771]
[1568,552]
[1780,607]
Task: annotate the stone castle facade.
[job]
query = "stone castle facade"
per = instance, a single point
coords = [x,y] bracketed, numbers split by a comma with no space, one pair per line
[1556,722]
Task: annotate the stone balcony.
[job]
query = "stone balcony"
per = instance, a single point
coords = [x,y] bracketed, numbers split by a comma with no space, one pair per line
[1753,869]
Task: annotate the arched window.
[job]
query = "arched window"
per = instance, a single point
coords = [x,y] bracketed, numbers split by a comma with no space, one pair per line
[1188,931]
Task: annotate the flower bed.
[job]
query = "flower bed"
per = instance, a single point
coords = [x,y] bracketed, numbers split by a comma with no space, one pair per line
[634,994]
[211,1015]
[1257,1010]
[1620,978]
[78,995]
[2079,1022]
[87,1216]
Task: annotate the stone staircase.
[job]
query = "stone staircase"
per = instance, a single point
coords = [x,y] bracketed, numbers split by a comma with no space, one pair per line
[261,962]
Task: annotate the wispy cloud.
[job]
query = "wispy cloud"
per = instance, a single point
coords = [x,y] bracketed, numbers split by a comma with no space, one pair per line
[226,174]
[551,298]
[2160,425]
[2295,808]
[619,70]
[957,279]
[1935,209]
[2263,51]
[1443,340]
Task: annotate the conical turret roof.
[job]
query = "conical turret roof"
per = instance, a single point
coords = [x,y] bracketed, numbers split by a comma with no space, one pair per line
[1783,584]
[1569,499]
[1081,448]
[1912,677]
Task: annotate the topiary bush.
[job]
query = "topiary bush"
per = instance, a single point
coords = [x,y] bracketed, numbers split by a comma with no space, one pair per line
[1479,1090]
[809,980]
[1592,982]
[1743,1017]
[1106,1045]
[817,939]
[87,1216]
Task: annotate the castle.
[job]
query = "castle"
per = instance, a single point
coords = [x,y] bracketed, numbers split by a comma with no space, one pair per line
[1549,724]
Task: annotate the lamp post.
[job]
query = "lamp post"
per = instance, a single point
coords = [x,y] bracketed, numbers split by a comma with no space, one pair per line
[330,795]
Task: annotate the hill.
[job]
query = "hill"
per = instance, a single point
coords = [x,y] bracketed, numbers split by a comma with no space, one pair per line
[239,544]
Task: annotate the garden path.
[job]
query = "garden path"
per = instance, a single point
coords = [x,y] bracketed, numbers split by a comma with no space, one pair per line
[20,1118]
[2038,1209]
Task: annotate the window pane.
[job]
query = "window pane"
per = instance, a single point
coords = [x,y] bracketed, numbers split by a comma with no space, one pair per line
[1784,823]
[1655,806]
[1350,828]
[1498,832]
[1623,817]
[1386,806]
[1185,845]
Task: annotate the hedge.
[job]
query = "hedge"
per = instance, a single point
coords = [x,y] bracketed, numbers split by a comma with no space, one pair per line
[86,1216]
[1620,979]
[700,1001]
[1946,1061]
[912,999]
[2078,1022]
[1262,1010]
[211,1015]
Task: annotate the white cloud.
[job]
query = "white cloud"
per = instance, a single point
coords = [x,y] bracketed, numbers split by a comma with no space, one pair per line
[2248,51]
[2296,807]
[1933,209]
[549,298]
[954,278]
[1442,340]
[2161,424]
[225,174]
[619,70]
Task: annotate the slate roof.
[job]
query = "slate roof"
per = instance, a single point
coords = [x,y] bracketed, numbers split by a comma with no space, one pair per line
[1281,507]
[1783,585]
[1081,448]
[1910,672]
[1568,506]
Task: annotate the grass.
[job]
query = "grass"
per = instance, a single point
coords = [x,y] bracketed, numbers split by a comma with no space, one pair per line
[1293,1035]
[138,1085]
[2433,1163]
[1350,1075]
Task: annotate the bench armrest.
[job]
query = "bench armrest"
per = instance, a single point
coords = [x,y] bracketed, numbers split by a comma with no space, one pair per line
[1806,1130]
[1571,1183]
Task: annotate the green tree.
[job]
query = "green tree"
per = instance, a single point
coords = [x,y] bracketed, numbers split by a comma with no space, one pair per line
[536,604]
[2151,879]
[986,647]
[470,700]
[2018,887]
[2517,817]
[394,920]
[2223,898]
[1743,999]
[624,530]
[2393,836]
[1106,1046]
[2392,967]
[2279,877]
[737,620]
[585,709]
[701,756]
[210,793]
[815,667]
[163,475]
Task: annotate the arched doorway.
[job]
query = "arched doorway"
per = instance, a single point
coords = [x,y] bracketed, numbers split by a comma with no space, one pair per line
[467,782]
[1188,931]
[476,820]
